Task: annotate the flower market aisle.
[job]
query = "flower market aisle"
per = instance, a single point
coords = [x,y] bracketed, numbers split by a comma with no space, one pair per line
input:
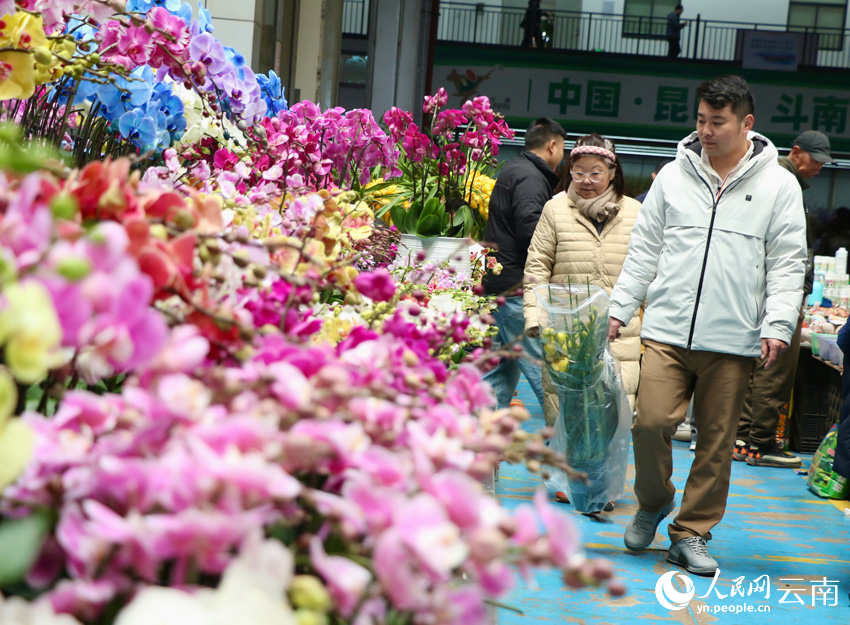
[774,526]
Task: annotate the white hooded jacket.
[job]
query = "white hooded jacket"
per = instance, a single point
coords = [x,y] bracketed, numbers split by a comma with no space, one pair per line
[721,271]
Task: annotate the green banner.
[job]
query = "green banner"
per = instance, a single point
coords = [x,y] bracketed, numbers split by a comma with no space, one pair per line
[637,96]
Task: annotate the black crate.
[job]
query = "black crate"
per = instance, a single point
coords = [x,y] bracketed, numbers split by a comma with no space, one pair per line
[817,403]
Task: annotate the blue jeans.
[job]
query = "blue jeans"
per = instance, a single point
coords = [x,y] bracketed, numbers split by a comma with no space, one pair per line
[505,377]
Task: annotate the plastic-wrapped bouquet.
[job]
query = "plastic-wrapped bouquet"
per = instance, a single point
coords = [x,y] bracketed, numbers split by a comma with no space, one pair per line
[592,428]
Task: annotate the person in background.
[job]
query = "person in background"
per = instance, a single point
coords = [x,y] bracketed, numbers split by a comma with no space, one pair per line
[658,166]
[836,234]
[523,186]
[531,24]
[770,389]
[674,31]
[583,235]
[717,255]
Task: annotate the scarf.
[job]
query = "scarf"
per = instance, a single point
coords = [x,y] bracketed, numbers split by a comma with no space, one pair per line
[598,209]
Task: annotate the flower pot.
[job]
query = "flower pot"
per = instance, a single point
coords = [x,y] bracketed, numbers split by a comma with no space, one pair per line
[437,250]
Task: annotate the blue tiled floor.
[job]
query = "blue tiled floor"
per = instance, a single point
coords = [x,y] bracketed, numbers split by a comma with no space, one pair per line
[774,526]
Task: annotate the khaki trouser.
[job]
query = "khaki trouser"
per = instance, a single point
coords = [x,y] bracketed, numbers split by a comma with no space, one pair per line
[669,375]
[769,390]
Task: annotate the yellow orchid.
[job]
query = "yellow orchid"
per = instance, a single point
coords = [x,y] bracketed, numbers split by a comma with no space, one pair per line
[30,331]
[22,31]
[478,192]
[48,64]
[17,75]
[344,276]
[16,438]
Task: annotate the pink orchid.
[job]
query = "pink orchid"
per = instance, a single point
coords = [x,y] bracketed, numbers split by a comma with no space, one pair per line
[347,581]
[406,586]
[129,46]
[560,531]
[427,531]
[378,285]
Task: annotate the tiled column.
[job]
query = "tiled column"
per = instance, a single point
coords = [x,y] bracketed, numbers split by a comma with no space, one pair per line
[235,25]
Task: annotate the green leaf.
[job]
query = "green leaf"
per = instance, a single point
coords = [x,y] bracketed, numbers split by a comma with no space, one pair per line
[446,225]
[428,226]
[20,544]
[439,208]
[432,183]
[413,214]
[430,206]
[387,208]
[399,217]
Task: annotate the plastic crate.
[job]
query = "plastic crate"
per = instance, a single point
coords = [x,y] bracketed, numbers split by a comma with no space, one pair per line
[817,403]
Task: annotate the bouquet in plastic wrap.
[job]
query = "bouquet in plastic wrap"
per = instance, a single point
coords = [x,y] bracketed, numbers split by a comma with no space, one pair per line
[822,480]
[594,418]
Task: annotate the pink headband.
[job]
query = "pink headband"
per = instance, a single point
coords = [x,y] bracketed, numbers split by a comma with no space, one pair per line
[592,149]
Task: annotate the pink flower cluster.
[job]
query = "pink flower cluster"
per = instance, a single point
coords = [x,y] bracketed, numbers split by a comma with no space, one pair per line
[101,296]
[328,148]
[161,484]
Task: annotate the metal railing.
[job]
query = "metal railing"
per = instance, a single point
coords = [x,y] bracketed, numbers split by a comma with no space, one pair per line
[625,34]
[355,17]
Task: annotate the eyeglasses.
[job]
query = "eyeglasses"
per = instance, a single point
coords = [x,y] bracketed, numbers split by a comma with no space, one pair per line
[594,176]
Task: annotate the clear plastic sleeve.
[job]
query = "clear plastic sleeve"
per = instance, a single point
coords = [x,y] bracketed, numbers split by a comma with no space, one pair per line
[594,419]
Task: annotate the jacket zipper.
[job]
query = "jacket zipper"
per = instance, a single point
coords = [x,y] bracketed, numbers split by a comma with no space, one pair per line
[716,201]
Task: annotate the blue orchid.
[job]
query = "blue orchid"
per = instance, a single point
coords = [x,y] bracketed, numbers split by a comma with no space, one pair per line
[204,20]
[167,108]
[185,13]
[272,93]
[143,6]
[139,129]
[126,94]
[82,30]
[234,57]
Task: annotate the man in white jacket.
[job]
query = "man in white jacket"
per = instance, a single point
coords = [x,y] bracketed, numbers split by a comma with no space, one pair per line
[718,255]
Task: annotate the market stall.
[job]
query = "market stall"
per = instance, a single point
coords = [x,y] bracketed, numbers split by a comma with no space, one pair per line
[816,402]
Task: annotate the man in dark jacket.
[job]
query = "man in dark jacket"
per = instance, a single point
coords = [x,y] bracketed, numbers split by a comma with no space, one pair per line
[524,185]
[674,31]
[770,389]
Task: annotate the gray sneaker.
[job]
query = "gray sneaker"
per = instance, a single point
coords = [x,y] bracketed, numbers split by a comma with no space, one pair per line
[641,529]
[692,553]
[682,433]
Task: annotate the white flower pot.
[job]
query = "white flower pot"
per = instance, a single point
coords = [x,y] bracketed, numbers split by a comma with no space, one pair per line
[437,250]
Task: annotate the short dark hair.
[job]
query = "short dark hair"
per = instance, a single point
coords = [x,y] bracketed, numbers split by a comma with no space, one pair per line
[597,140]
[732,90]
[679,7]
[542,131]
[660,164]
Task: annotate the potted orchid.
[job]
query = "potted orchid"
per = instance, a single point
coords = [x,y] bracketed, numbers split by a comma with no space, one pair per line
[439,166]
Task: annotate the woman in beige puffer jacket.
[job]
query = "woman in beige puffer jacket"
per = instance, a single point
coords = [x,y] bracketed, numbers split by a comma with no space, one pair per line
[583,234]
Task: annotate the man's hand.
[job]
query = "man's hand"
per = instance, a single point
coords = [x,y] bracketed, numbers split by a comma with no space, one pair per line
[770,349]
[533,332]
[614,326]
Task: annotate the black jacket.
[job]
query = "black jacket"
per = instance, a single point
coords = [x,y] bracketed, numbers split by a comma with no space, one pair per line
[524,185]
[785,162]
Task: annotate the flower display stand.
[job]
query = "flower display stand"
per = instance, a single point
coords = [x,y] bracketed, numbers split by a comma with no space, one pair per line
[438,250]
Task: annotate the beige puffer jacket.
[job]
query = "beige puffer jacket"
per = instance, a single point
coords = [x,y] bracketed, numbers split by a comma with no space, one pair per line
[566,244]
